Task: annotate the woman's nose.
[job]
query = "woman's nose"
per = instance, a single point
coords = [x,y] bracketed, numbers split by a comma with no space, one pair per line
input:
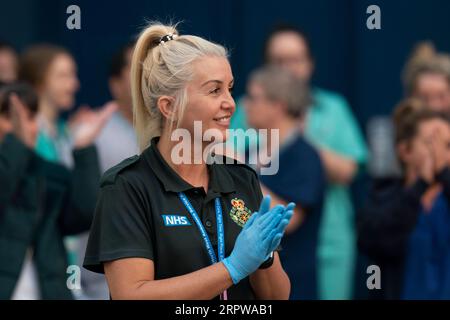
[229,103]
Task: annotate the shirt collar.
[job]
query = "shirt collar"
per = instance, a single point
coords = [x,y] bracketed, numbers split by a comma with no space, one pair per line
[220,179]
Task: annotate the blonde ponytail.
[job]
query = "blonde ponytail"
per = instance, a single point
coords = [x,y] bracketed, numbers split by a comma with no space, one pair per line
[163,69]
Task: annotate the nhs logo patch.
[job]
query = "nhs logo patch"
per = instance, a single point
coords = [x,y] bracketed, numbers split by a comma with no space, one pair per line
[172,220]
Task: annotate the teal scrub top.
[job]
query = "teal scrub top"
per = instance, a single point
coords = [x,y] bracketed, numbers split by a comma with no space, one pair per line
[330,124]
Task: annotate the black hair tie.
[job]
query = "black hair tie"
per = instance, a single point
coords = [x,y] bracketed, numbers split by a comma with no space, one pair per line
[167,38]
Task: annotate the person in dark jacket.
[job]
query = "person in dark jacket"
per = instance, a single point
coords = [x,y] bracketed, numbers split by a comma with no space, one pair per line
[40,201]
[405,226]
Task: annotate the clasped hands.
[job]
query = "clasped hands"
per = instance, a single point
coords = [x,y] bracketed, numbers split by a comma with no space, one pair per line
[259,237]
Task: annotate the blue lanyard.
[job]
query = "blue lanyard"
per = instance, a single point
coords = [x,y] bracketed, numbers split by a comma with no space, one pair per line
[219,222]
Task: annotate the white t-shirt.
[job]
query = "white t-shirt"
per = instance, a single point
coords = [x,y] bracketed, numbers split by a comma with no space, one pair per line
[116,142]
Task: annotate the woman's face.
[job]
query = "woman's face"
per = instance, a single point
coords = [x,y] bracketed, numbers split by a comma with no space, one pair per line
[419,147]
[260,110]
[289,50]
[209,96]
[434,90]
[61,82]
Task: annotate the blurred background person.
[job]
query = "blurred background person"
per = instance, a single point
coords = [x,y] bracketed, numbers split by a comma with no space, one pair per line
[8,63]
[331,127]
[426,76]
[278,100]
[42,203]
[116,142]
[52,72]
[405,225]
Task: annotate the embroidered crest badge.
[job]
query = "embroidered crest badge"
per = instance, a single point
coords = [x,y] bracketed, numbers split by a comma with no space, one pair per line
[239,212]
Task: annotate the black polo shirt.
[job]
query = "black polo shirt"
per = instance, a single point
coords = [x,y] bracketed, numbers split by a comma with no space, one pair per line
[139,214]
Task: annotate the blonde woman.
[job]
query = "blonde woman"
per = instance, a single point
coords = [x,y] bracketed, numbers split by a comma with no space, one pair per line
[426,76]
[170,230]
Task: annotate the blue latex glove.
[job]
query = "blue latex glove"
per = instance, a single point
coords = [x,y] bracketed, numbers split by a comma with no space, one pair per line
[255,241]
[278,232]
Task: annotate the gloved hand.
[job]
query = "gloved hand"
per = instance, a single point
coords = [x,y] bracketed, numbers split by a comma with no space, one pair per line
[262,231]
[278,232]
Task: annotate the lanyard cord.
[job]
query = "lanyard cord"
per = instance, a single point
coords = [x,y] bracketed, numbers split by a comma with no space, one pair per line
[206,240]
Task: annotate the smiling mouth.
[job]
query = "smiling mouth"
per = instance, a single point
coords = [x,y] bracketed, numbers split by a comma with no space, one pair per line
[224,119]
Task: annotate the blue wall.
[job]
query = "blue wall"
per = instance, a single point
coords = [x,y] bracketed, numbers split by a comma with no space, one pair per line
[363,65]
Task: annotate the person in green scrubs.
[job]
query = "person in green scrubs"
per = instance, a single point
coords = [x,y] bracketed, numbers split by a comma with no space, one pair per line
[331,127]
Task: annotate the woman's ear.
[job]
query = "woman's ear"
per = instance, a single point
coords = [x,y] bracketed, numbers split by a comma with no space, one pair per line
[166,106]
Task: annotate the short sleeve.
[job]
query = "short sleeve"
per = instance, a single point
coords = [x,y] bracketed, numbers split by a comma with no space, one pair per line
[120,228]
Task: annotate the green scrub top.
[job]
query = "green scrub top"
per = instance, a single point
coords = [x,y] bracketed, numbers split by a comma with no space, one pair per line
[46,145]
[331,125]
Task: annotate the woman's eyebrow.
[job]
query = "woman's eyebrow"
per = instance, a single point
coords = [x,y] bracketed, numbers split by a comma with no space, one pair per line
[209,81]
[216,81]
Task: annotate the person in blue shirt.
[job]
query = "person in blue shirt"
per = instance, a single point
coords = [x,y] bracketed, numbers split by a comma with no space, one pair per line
[277,100]
[405,226]
[332,128]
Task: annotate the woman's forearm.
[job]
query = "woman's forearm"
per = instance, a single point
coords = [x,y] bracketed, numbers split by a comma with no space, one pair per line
[202,284]
[339,169]
[272,283]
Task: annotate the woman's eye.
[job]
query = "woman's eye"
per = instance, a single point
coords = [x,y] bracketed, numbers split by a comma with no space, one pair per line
[217,90]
